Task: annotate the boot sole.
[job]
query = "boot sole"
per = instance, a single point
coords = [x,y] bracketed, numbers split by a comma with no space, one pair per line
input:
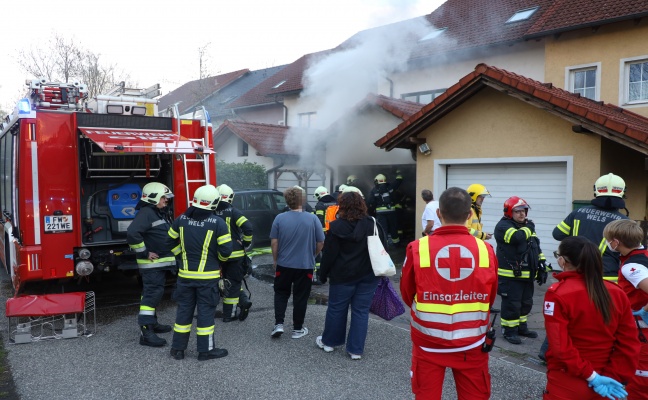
[211,357]
[145,343]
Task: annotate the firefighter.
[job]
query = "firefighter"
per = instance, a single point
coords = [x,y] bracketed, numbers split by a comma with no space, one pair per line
[380,199]
[352,180]
[477,193]
[625,237]
[520,262]
[324,201]
[146,236]
[449,280]
[338,189]
[202,241]
[609,193]
[235,268]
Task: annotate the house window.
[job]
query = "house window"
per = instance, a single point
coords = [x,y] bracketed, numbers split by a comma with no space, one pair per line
[584,80]
[242,148]
[307,120]
[522,15]
[422,97]
[636,81]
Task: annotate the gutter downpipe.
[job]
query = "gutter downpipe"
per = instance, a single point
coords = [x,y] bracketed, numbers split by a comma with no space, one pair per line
[285,111]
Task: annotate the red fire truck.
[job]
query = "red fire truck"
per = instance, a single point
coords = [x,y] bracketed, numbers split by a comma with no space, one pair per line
[71,173]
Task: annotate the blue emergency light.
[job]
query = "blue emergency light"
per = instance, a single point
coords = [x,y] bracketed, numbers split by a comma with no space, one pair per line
[123,199]
[24,107]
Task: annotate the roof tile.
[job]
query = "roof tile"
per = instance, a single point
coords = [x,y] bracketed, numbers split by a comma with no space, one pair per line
[267,139]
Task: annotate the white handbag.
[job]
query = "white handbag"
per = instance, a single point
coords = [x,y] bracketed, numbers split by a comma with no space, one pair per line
[381,263]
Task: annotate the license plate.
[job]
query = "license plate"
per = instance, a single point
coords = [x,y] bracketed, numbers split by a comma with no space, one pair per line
[58,223]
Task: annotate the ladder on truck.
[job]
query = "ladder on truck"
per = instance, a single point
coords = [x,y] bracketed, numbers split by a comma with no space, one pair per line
[200,158]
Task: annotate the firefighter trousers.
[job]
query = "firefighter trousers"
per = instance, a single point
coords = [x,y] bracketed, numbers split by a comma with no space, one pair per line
[192,294]
[233,271]
[637,388]
[152,291]
[469,369]
[389,221]
[517,300]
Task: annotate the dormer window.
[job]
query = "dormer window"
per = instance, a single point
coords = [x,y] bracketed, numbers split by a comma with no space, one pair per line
[433,34]
[522,15]
[279,84]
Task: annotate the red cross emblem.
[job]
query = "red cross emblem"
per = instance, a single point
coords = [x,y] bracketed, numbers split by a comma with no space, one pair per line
[454,262]
[547,306]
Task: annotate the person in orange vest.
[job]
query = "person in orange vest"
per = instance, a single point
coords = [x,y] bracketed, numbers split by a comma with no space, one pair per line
[625,236]
[449,280]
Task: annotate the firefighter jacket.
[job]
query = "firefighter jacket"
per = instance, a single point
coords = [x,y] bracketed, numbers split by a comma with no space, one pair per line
[321,206]
[580,341]
[381,196]
[518,249]
[634,269]
[148,233]
[239,227]
[589,223]
[474,223]
[449,280]
[201,245]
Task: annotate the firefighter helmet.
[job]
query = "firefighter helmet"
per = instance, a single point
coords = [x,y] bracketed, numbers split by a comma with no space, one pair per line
[342,187]
[380,178]
[475,190]
[206,197]
[226,193]
[352,180]
[609,185]
[353,189]
[320,192]
[153,192]
[513,204]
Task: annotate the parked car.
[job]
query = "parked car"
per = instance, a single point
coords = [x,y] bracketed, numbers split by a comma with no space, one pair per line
[260,206]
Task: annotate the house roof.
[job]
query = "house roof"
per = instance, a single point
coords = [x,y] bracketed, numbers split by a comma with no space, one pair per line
[564,15]
[402,109]
[194,91]
[291,76]
[268,140]
[607,120]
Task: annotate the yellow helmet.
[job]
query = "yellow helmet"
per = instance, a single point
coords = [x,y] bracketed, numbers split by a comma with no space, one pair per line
[475,190]
[153,192]
[380,178]
[206,197]
[226,193]
[609,185]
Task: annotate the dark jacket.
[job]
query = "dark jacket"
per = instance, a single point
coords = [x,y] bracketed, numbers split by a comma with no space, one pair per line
[240,228]
[518,248]
[345,256]
[148,233]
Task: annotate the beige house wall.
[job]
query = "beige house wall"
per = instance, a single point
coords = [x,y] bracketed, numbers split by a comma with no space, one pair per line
[494,125]
[608,45]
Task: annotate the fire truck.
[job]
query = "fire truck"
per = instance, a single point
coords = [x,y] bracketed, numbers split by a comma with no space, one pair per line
[72,170]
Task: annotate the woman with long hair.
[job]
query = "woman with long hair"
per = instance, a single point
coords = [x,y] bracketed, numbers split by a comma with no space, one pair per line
[593,344]
[346,262]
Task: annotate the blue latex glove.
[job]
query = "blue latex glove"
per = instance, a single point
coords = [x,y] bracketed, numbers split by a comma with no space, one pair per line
[643,314]
[607,387]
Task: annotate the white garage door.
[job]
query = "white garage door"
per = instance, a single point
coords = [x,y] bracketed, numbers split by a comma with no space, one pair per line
[542,185]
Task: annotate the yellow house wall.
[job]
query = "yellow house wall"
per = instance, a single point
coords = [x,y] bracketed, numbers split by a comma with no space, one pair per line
[607,46]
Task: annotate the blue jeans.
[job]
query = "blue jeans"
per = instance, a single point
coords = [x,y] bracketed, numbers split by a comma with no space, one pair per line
[358,295]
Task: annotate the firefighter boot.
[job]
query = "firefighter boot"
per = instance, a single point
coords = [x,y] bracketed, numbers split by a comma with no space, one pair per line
[159,328]
[511,335]
[149,338]
[523,330]
[177,354]
[245,310]
[229,313]
[211,354]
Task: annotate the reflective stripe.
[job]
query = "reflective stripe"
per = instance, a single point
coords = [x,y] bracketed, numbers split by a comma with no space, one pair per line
[237,254]
[159,263]
[564,228]
[230,300]
[209,330]
[642,373]
[508,234]
[523,318]
[424,252]
[527,232]
[602,246]
[509,322]
[182,328]
[158,222]
[146,312]
[205,251]
[576,227]
[241,221]
[509,273]
[450,335]
[172,233]
[450,308]
[139,247]
[224,239]
[319,212]
[143,307]
[183,273]
[451,319]
[176,250]
[614,279]
[483,253]
[247,238]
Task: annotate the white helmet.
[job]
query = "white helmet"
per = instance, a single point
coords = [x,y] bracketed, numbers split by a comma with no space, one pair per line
[353,189]
[226,193]
[609,185]
[380,178]
[206,197]
[320,192]
[342,187]
[153,192]
[351,180]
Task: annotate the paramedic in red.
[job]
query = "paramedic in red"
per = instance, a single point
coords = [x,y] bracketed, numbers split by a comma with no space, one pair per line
[450,281]
[594,345]
[625,236]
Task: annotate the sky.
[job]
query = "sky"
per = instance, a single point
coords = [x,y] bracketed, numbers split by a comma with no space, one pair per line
[159,42]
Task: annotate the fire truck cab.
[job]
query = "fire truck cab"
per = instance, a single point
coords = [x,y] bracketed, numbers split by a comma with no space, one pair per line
[72,170]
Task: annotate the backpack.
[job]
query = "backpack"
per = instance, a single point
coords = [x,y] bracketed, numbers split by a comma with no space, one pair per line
[330,216]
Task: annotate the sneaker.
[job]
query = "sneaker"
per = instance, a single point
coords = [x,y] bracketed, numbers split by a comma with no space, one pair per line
[322,346]
[355,356]
[297,333]
[277,331]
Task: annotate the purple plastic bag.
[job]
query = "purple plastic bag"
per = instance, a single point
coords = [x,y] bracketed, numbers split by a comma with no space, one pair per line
[386,302]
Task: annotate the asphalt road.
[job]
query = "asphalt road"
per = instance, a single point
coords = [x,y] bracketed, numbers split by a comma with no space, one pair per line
[112,365]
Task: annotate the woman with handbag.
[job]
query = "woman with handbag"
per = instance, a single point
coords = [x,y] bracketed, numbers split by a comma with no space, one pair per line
[346,262]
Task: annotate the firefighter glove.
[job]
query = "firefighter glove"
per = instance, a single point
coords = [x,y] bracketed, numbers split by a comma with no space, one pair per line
[641,313]
[607,387]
